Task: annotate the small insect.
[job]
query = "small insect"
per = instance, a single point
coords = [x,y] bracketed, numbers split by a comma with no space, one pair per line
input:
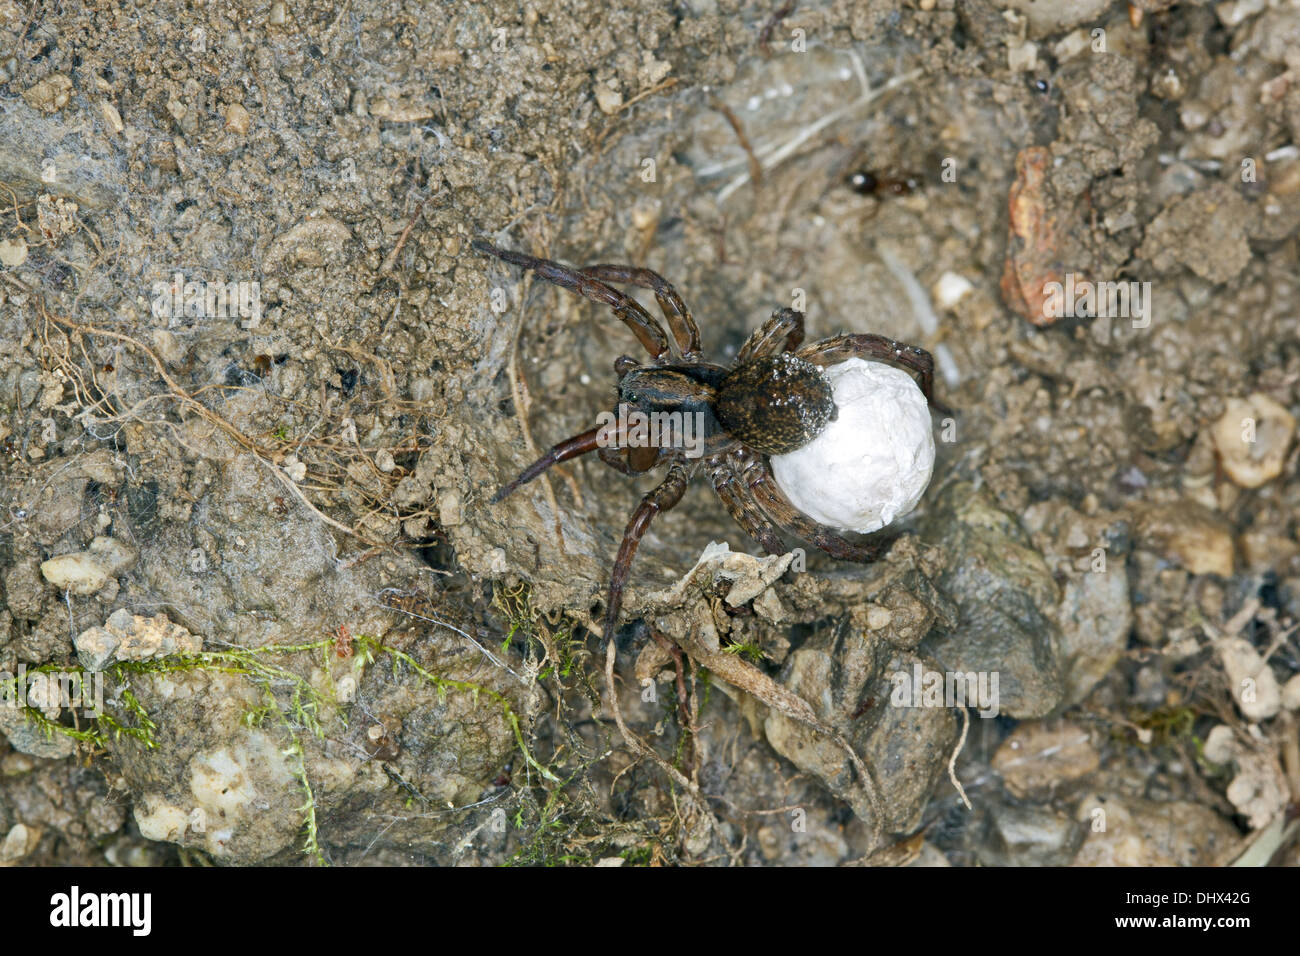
[895,183]
[772,401]
[381,742]
[343,642]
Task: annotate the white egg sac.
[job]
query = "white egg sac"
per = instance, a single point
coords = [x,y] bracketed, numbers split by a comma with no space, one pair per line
[874,461]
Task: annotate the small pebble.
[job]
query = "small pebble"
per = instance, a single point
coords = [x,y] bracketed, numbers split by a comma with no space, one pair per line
[1252,438]
[1191,534]
[85,572]
[133,637]
[950,289]
[49,95]
[1022,57]
[1250,680]
[237,119]
[111,116]
[878,617]
[1291,694]
[15,844]
[13,252]
[609,100]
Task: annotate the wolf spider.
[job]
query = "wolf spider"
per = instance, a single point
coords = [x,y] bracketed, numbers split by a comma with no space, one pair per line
[772,401]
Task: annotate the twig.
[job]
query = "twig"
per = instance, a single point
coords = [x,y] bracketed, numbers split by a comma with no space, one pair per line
[610,127]
[703,648]
[293,486]
[755,167]
[659,87]
[387,265]
[952,761]
[765,34]
[645,750]
[180,395]
[683,706]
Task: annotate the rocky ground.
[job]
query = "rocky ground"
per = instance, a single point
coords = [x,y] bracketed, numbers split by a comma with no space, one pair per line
[258,391]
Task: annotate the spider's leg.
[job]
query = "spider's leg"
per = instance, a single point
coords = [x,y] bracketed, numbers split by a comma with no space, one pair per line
[744,509]
[642,324]
[680,321]
[772,500]
[613,456]
[783,332]
[569,448]
[841,347]
[660,499]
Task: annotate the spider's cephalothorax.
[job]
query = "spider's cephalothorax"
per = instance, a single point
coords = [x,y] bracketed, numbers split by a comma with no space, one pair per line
[774,405]
[773,401]
[692,389]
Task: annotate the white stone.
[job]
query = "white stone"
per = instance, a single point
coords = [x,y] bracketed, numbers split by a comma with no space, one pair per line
[1291,693]
[160,820]
[1250,679]
[85,572]
[219,782]
[872,464]
[80,573]
[950,289]
[1258,789]
[878,617]
[295,469]
[13,252]
[345,691]
[1022,57]
[1253,437]
[133,637]
[609,100]
[15,844]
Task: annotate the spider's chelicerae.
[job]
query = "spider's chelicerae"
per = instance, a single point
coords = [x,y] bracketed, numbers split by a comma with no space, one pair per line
[774,400]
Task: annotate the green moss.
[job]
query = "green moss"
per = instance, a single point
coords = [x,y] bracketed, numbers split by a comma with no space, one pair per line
[750,652]
[1167,724]
[371,647]
[553,637]
[288,702]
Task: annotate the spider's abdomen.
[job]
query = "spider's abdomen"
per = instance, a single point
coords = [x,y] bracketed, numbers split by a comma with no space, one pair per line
[775,405]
